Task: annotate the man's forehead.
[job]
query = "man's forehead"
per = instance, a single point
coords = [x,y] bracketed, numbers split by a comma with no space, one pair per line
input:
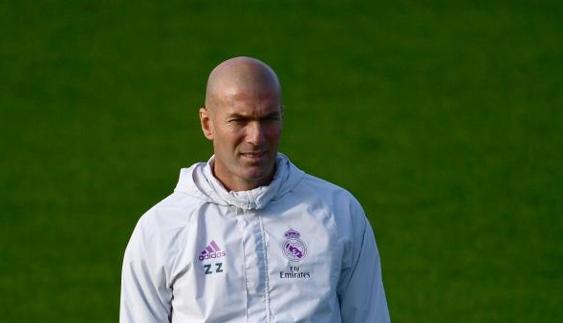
[244,98]
[250,108]
[272,111]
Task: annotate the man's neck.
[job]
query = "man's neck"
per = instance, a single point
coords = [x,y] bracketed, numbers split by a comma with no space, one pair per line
[237,184]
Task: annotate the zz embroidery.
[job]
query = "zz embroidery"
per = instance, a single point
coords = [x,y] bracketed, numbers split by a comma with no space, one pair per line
[209,270]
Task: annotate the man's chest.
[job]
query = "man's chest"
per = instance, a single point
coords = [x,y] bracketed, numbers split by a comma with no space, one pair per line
[258,266]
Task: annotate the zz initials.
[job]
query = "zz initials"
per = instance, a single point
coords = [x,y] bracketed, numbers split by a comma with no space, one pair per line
[210,270]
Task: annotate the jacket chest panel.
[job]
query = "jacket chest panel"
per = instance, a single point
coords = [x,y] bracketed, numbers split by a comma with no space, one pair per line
[304,254]
[253,264]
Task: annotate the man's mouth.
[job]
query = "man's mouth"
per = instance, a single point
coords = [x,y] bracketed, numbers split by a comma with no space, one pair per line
[254,154]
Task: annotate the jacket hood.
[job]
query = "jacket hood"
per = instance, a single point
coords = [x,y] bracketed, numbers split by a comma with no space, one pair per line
[198,181]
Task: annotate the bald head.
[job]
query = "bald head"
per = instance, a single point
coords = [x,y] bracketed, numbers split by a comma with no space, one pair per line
[240,76]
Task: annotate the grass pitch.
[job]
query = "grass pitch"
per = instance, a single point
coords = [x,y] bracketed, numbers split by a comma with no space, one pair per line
[443,118]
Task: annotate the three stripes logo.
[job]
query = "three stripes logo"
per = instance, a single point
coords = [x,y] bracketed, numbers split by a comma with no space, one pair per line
[212,251]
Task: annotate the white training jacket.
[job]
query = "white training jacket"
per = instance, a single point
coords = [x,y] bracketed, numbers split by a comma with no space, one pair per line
[298,250]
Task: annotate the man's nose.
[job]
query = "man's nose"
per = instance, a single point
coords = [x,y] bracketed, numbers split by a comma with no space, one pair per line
[255,133]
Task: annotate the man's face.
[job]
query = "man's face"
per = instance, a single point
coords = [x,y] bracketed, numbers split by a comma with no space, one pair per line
[245,127]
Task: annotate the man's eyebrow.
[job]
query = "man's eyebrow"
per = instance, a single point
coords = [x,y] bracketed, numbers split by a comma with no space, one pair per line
[236,115]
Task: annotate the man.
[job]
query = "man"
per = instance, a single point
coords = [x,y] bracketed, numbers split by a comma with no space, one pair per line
[247,236]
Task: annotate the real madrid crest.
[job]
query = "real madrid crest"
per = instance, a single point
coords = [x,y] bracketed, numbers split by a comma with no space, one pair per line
[294,248]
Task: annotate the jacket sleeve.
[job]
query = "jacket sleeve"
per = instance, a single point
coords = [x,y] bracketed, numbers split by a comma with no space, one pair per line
[145,297]
[361,293]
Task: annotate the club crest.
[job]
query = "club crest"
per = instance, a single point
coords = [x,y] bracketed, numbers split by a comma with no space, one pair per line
[294,248]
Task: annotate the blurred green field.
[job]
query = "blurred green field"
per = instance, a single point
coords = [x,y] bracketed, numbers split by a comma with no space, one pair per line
[444,118]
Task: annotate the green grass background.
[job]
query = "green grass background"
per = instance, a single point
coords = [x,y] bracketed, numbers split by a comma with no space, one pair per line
[443,117]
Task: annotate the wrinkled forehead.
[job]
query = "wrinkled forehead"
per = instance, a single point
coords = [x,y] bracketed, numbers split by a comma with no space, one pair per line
[241,96]
[242,102]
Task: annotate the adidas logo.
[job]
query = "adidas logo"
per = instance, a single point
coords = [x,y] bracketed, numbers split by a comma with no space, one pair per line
[212,251]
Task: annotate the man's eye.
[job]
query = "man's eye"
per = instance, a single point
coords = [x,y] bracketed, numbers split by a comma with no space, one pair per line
[237,121]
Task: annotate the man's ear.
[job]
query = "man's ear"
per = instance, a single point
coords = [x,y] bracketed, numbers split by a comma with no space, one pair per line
[206,124]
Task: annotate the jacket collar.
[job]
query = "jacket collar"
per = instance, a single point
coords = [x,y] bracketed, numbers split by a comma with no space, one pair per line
[199,181]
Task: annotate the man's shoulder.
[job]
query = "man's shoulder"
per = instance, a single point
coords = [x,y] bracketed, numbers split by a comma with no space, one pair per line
[174,211]
[322,189]
[326,199]
[159,232]
[324,186]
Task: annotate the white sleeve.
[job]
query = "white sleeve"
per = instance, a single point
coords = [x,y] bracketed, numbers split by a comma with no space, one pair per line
[361,293]
[145,297]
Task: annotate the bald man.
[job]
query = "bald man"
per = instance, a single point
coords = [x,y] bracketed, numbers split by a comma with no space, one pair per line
[247,236]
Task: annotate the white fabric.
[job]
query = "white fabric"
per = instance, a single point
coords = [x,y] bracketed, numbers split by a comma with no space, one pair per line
[297,250]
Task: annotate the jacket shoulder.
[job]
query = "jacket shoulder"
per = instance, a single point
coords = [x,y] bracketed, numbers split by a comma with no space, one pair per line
[174,211]
[159,232]
[326,190]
